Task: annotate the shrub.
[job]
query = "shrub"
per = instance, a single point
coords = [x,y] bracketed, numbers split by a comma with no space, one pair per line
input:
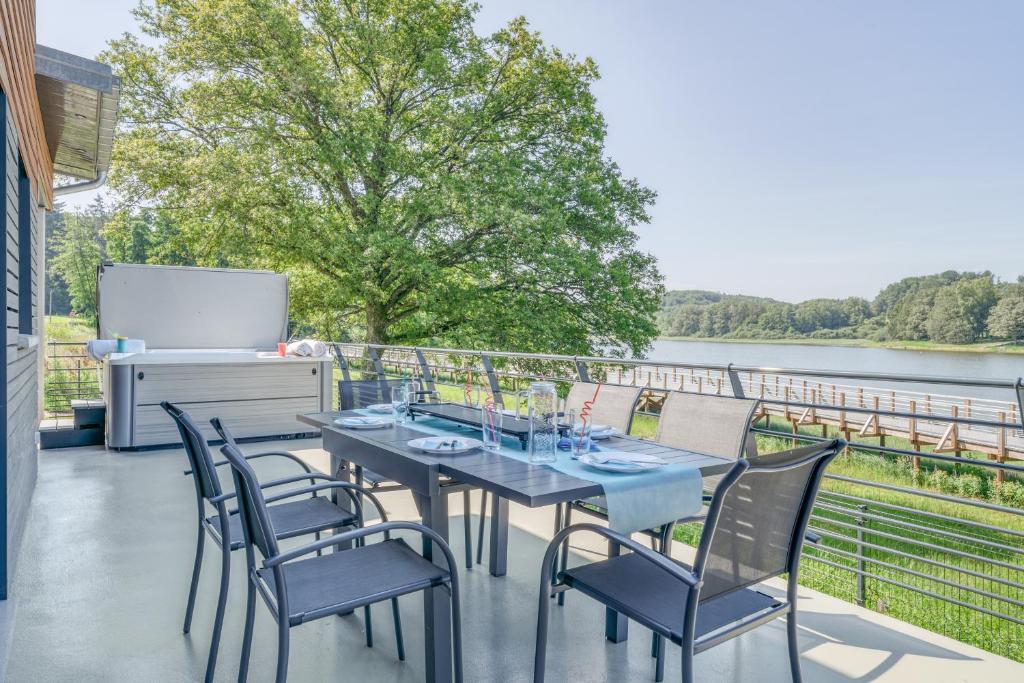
[1009,493]
[940,479]
[969,486]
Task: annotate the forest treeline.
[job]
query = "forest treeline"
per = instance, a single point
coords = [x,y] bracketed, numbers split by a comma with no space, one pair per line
[950,307]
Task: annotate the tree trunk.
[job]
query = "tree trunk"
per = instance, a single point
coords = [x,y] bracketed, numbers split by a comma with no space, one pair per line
[376,324]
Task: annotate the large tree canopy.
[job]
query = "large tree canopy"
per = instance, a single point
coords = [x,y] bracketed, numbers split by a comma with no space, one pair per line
[421,182]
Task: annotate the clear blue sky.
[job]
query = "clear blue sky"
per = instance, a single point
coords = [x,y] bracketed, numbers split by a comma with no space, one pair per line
[798,148]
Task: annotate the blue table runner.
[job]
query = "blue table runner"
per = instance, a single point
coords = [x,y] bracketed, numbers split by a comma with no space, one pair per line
[636,501]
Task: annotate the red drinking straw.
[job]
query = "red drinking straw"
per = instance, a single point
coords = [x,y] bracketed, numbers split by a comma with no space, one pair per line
[585,413]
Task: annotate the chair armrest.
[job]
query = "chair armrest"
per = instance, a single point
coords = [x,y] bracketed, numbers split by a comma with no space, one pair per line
[264,454]
[350,489]
[270,484]
[657,559]
[357,534]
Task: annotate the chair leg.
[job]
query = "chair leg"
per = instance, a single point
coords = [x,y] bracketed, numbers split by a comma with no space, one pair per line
[319,553]
[250,617]
[397,617]
[659,666]
[222,600]
[480,535]
[456,633]
[196,566]
[688,663]
[541,648]
[369,626]
[794,646]
[468,528]
[282,650]
[564,559]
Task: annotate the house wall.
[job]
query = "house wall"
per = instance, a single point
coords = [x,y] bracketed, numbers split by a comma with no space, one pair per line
[17,79]
[20,373]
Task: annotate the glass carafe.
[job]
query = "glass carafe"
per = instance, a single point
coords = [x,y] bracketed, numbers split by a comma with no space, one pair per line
[543,415]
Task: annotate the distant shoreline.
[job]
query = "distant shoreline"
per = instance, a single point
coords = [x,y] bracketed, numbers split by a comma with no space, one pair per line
[982,347]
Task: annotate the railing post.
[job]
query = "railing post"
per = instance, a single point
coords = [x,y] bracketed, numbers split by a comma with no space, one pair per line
[492,380]
[425,373]
[378,366]
[734,381]
[581,370]
[1020,400]
[861,589]
[342,364]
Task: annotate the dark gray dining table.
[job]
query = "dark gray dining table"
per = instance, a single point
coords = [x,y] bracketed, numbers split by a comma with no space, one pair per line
[431,478]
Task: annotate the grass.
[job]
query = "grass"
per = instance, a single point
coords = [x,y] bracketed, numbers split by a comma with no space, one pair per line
[979,347]
[63,328]
[68,374]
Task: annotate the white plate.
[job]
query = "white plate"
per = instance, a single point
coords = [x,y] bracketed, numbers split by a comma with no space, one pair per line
[648,462]
[364,422]
[382,408]
[443,445]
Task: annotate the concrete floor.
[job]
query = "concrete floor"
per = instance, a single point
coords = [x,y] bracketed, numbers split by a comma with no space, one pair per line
[102,581]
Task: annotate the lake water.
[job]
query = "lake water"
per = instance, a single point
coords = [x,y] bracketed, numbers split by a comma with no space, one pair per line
[986,365]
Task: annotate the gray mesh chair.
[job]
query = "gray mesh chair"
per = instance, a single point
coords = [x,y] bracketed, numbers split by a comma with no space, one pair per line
[309,515]
[703,423]
[754,531]
[299,589]
[615,407]
[353,394]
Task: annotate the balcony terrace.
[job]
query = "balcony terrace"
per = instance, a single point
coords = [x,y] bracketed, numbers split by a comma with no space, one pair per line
[104,573]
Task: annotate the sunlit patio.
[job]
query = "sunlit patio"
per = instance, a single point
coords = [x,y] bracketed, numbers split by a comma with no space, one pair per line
[104,578]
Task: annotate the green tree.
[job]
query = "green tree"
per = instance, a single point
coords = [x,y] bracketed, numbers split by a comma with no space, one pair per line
[961,310]
[1006,319]
[78,253]
[421,182]
[58,301]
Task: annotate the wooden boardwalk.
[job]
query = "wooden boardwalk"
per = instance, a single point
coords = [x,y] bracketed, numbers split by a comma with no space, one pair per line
[859,412]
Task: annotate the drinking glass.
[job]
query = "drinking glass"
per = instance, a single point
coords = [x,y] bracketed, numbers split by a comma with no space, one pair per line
[490,419]
[400,404]
[579,436]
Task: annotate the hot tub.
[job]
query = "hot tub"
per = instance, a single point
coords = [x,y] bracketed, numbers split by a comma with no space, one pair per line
[210,337]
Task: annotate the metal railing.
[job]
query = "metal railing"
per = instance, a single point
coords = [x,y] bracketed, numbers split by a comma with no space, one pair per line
[69,374]
[921,518]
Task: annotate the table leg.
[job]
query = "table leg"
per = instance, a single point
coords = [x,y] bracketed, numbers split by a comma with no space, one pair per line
[499,536]
[616,626]
[341,472]
[437,622]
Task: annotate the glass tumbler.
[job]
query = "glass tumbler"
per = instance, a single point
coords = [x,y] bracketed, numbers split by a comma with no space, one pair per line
[490,421]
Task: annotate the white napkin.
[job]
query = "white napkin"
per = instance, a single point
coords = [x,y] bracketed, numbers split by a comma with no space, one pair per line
[624,458]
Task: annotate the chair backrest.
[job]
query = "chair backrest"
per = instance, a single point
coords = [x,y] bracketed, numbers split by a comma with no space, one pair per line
[199,458]
[614,405]
[252,507]
[758,516]
[354,394]
[223,432]
[713,425]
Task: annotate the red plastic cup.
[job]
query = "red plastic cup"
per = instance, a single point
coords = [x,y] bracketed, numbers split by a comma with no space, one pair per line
[282,349]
